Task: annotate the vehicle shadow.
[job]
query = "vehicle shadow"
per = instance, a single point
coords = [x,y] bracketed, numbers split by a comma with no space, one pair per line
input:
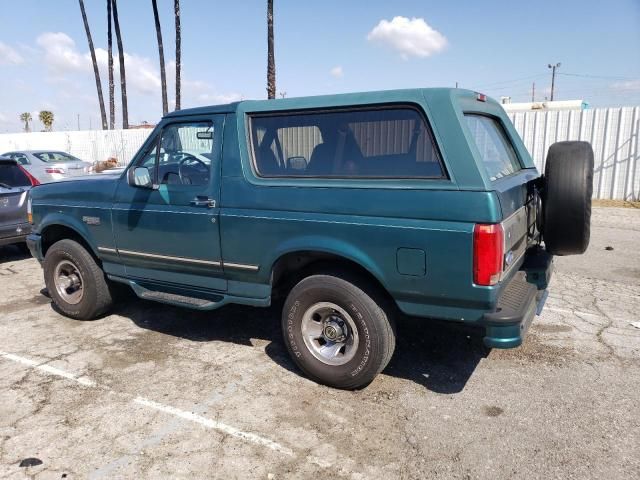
[440,356]
[12,253]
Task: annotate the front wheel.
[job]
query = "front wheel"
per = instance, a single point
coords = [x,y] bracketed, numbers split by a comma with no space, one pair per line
[338,330]
[75,282]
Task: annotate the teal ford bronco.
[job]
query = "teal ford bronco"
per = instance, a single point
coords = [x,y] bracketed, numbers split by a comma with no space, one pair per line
[351,207]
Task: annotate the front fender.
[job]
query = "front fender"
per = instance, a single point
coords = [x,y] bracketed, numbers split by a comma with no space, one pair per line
[53,219]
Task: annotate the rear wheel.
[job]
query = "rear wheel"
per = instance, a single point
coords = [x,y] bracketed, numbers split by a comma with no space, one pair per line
[338,330]
[75,282]
[568,187]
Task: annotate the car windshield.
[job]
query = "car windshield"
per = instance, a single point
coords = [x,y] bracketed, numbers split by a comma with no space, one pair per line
[56,157]
[12,176]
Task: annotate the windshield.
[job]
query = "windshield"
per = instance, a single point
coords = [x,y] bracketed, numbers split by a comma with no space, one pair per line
[496,151]
[56,157]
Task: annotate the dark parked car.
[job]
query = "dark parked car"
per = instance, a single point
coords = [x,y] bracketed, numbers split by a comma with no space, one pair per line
[353,206]
[15,183]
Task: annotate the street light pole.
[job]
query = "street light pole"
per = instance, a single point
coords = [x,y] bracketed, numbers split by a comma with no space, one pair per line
[553,76]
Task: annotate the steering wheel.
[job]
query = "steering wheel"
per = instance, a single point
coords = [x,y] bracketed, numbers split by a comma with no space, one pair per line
[190,157]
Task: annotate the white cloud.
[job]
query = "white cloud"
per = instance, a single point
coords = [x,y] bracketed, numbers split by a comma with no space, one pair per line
[219,98]
[9,56]
[628,85]
[337,71]
[60,54]
[141,73]
[410,37]
[64,60]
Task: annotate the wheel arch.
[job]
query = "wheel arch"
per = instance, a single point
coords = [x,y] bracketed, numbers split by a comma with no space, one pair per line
[296,263]
[59,229]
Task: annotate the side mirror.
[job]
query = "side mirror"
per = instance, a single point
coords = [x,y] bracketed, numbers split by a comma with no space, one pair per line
[140,177]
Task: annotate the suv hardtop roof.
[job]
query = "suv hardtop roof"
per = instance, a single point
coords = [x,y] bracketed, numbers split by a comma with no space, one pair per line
[354,98]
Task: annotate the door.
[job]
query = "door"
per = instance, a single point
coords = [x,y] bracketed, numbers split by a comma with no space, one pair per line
[170,232]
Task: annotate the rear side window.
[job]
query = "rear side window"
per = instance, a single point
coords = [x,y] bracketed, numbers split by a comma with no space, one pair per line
[495,148]
[364,143]
[12,176]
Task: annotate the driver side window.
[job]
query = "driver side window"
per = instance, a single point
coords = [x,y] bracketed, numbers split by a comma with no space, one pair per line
[183,155]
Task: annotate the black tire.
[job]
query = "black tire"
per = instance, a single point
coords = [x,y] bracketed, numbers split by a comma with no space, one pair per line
[96,296]
[369,311]
[568,188]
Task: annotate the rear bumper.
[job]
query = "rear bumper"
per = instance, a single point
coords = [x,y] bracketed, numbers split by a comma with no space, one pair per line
[34,243]
[14,233]
[521,299]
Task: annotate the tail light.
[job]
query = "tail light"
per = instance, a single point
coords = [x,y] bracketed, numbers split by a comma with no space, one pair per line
[488,253]
[34,181]
[54,170]
[29,210]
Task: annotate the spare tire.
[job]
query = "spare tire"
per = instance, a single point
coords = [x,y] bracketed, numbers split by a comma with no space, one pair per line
[568,186]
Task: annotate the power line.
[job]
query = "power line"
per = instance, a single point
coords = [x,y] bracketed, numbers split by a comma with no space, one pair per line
[515,80]
[604,77]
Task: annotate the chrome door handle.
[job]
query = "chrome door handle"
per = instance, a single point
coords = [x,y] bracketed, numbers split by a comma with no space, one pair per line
[200,201]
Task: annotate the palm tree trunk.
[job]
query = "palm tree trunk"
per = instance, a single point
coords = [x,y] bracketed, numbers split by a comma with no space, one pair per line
[112,104]
[271,62]
[96,72]
[176,9]
[123,77]
[163,75]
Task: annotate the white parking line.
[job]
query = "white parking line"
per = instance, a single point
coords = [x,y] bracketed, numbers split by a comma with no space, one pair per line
[87,382]
[184,415]
[215,425]
[572,312]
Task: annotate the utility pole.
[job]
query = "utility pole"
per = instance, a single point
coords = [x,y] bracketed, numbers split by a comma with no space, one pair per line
[533,92]
[456,84]
[78,122]
[553,77]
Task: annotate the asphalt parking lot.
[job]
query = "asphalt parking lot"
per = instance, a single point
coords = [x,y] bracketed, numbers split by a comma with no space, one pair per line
[153,391]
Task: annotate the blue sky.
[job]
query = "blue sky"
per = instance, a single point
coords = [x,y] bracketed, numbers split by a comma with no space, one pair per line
[498,47]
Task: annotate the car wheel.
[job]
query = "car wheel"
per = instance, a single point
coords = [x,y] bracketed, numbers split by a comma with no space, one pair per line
[338,330]
[568,187]
[75,282]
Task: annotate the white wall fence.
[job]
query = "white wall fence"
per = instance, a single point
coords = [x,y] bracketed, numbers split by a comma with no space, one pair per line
[613,132]
[89,145]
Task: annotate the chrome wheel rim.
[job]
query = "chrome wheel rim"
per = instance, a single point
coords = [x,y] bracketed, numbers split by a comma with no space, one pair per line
[68,282]
[330,333]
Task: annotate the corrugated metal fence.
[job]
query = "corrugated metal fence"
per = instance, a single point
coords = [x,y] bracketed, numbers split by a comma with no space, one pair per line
[613,133]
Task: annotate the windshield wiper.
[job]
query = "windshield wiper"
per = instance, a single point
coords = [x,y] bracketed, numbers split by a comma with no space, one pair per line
[4,185]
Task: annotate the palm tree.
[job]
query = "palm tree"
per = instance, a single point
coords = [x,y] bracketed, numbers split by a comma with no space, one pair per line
[123,77]
[26,118]
[163,76]
[96,72]
[46,117]
[271,62]
[176,12]
[112,104]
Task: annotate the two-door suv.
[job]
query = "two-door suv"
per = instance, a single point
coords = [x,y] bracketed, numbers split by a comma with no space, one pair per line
[352,207]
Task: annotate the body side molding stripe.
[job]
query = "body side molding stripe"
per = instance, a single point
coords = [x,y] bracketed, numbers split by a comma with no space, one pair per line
[239,266]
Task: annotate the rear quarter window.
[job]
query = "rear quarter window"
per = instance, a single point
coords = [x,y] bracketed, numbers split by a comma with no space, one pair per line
[12,175]
[496,151]
[364,142]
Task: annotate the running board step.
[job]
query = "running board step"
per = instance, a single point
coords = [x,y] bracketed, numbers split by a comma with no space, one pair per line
[178,299]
